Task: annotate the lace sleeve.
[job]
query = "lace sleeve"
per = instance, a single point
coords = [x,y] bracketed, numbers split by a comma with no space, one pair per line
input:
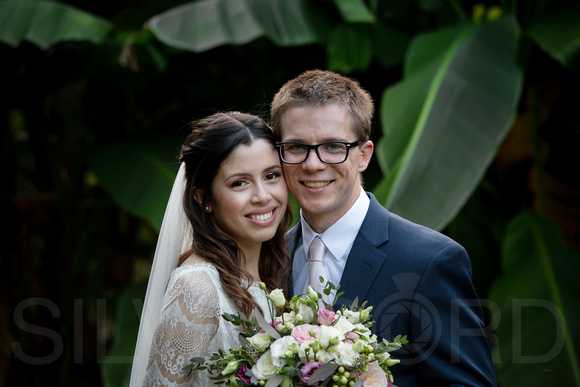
[189,320]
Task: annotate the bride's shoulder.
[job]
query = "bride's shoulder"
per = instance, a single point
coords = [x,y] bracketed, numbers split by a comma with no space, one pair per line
[194,271]
[195,263]
[195,277]
[193,260]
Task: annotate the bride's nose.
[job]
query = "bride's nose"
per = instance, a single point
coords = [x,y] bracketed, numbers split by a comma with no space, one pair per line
[261,194]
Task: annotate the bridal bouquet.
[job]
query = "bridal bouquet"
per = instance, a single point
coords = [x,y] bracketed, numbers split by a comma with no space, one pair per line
[311,345]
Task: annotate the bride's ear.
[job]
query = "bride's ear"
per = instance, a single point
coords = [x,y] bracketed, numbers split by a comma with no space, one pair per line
[198,196]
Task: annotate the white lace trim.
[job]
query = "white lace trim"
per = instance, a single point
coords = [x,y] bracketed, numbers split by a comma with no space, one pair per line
[191,325]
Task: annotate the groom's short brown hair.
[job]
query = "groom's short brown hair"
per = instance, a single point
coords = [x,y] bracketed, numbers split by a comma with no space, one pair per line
[320,88]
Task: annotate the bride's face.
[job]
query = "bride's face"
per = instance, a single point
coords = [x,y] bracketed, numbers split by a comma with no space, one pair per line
[249,194]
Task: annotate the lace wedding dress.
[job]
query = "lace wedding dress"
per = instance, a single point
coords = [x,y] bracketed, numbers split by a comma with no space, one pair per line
[191,325]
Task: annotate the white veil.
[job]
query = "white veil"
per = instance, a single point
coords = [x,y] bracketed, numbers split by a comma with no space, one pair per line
[174,239]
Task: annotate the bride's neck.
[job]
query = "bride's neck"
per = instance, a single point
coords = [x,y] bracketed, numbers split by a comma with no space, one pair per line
[252,254]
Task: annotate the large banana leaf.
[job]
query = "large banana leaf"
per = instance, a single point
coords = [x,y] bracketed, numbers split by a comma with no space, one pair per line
[350,48]
[536,320]
[137,176]
[202,25]
[45,23]
[443,123]
[355,11]
[558,34]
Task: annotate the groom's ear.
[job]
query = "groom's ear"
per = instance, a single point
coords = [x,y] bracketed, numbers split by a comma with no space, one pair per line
[366,152]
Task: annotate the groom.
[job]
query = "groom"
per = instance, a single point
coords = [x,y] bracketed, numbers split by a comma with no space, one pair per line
[417,280]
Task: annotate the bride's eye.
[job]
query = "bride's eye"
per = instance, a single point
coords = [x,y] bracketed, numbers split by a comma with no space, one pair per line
[239,183]
[272,175]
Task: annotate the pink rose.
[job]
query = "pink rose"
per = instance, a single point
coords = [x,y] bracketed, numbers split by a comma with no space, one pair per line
[351,335]
[308,370]
[325,316]
[302,333]
[375,377]
[275,326]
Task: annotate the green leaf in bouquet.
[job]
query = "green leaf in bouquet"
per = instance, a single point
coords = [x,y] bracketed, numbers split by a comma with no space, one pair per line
[266,326]
[358,383]
[234,319]
[338,295]
[326,304]
[195,364]
[324,371]
[275,381]
[243,341]
[354,303]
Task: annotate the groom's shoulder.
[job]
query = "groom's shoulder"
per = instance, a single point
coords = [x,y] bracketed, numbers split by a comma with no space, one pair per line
[400,228]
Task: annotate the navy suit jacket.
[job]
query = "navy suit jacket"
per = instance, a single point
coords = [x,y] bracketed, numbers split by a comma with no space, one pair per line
[419,284]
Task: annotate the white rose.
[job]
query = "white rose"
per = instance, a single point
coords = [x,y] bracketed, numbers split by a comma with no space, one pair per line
[345,355]
[326,332]
[362,330]
[290,317]
[353,317]
[278,349]
[344,326]
[324,356]
[306,312]
[260,341]
[264,369]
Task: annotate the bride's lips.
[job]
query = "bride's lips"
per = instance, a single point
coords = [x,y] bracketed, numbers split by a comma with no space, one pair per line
[263,217]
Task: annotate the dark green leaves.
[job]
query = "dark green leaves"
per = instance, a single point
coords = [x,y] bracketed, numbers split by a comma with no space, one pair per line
[558,34]
[444,121]
[202,25]
[136,177]
[536,316]
[46,23]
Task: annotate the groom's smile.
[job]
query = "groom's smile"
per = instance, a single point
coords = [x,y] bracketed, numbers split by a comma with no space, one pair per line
[325,191]
[316,184]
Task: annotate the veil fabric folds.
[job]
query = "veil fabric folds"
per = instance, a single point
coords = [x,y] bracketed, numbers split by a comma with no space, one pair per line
[174,239]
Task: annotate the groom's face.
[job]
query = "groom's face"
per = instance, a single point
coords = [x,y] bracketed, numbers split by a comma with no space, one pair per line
[325,191]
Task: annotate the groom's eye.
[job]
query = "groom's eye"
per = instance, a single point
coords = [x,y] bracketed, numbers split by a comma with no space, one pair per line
[296,148]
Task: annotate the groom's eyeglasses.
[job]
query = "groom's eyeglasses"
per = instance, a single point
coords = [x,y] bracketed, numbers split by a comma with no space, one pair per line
[332,152]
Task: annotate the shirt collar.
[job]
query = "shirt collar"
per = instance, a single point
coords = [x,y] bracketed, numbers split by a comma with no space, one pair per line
[341,235]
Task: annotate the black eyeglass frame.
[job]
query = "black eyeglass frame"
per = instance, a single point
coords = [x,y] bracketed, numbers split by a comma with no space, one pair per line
[315,147]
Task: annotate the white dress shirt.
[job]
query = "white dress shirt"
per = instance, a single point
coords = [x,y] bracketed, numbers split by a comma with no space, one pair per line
[338,239]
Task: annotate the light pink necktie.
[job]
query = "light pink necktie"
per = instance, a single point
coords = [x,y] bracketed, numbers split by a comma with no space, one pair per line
[317,269]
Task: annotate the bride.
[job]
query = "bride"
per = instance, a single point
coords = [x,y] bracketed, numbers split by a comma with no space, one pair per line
[223,231]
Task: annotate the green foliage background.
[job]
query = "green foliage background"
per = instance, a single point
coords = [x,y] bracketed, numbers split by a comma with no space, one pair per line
[476,135]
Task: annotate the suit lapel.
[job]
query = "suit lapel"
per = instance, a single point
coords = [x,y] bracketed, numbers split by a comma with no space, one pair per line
[365,259]
[292,240]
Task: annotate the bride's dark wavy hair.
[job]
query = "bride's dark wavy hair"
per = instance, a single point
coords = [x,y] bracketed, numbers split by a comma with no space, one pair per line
[211,141]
